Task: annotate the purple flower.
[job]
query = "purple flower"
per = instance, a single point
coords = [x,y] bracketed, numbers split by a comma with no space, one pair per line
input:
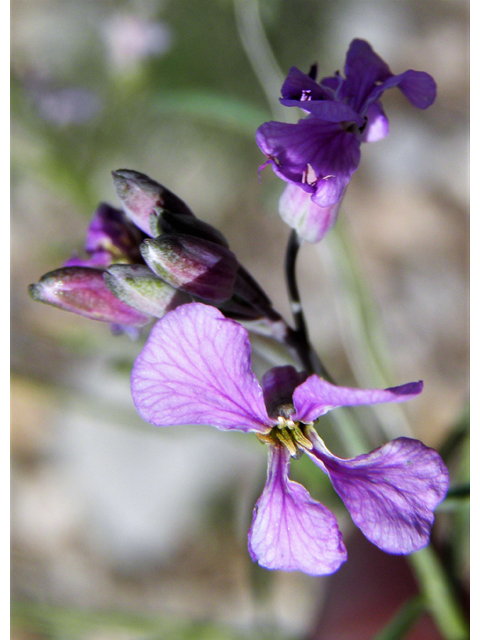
[195,369]
[110,238]
[319,154]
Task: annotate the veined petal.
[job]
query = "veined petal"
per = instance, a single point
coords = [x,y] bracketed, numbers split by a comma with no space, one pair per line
[391,492]
[195,369]
[318,156]
[291,531]
[298,210]
[316,396]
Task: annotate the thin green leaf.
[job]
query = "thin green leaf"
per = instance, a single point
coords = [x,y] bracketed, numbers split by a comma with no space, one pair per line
[221,110]
[439,596]
[404,619]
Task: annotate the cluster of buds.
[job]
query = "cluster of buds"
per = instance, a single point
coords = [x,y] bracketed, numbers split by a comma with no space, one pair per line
[148,258]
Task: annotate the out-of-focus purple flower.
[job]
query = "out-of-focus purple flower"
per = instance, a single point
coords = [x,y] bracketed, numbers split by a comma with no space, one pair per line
[130,40]
[65,106]
[195,369]
[319,154]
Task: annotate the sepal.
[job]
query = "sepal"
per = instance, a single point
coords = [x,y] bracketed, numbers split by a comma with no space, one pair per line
[139,195]
[141,289]
[192,265]
[167,222]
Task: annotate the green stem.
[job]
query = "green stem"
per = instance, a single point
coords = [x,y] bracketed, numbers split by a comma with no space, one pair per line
[260,55]
[439,596]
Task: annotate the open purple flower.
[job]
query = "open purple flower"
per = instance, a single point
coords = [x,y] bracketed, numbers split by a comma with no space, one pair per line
[195,369]
[319,154]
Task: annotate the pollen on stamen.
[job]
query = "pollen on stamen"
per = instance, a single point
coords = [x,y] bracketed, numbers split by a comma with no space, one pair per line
[309,176]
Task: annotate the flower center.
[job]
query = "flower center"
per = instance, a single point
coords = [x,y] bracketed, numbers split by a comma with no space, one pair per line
[350,127]
[288,433]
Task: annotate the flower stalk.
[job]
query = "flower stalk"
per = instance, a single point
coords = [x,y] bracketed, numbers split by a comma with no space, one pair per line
[299,339]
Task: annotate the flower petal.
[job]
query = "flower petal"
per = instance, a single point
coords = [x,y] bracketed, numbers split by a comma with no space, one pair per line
[419,87]
[363,70]
[298,210]
[299,86]
[318,156]
[110,230]
[195,369]
[291,531]
[316,396]
[391,492]
[377,124]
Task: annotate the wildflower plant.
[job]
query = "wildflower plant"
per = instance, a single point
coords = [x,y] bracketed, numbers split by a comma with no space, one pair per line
[154,260]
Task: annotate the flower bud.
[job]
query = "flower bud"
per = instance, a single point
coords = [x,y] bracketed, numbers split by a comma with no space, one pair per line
[140,288]
[83,291]
[167,222]
[247,288]
[237,309]
[139,195]
[195,266]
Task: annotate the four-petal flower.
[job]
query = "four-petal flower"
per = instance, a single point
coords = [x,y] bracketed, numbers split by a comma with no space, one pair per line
[195,369]
[318,155]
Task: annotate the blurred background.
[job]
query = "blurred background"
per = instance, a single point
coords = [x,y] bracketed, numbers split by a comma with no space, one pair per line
[120,530]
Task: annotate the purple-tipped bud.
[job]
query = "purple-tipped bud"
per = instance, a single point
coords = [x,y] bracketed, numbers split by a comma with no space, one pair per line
[83,291]
[139,195]
[111,231]
[140,288]
[111,238]
[195,266]
[167,222]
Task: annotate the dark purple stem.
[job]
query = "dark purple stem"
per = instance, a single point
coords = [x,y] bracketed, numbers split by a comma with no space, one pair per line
[298,339]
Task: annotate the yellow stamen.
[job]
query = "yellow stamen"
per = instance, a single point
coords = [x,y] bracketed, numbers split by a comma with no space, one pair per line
[284,437]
